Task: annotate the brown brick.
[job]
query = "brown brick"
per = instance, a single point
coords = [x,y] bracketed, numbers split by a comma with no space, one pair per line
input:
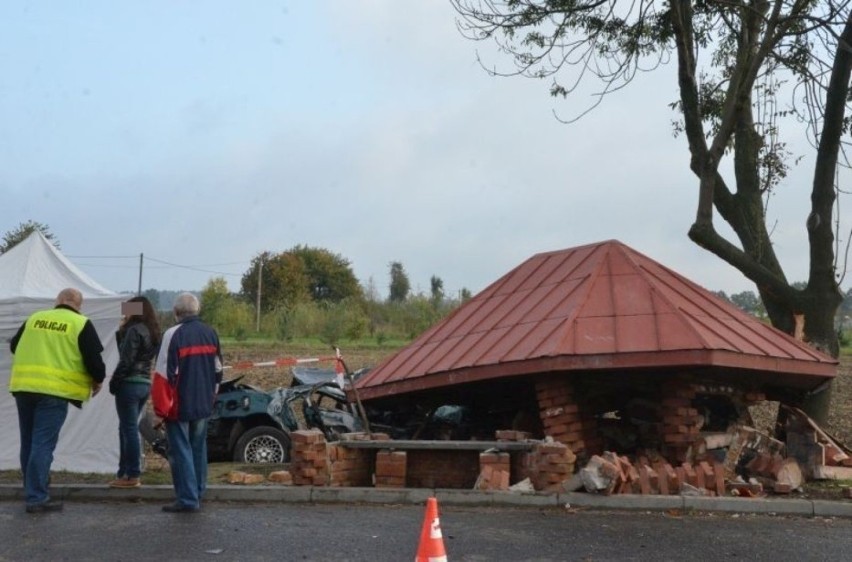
[719,476]
[307,436]
[644,480]
[662,477]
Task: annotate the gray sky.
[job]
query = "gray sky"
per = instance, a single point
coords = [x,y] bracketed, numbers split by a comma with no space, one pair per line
[203,133]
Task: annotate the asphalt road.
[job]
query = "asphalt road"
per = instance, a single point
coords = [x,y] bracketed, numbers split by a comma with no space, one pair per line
[338,532]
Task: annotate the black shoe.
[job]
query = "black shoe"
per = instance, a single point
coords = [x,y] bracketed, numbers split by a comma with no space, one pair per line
[180,508]
[49,505]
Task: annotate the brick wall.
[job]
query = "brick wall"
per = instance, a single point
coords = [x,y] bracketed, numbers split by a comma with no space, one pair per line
[442,469]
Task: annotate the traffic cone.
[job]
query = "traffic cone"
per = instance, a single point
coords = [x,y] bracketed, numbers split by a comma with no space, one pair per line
[431,547]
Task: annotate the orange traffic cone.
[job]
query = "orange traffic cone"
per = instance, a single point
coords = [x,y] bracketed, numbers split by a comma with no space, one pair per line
[431,547]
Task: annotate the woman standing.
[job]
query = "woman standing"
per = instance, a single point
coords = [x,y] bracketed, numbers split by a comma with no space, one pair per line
[138,341]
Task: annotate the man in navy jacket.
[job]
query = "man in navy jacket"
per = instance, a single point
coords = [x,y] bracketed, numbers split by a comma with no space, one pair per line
[183,390]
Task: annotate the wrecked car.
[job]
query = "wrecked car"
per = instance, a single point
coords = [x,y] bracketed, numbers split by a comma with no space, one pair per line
[251,425]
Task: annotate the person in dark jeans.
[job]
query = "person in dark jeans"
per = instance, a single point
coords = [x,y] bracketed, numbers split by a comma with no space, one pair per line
[57,361]
[186,378]
[138,340]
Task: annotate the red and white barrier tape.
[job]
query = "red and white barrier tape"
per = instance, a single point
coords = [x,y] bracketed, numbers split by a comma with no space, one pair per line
[285,362]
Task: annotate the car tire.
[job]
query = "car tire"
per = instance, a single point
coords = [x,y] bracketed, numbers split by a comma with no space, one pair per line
[263,445]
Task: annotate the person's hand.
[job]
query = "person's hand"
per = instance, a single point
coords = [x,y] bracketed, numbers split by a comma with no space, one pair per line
[96,387]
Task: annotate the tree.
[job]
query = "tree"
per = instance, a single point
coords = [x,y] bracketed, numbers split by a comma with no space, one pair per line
[330,276]
[749,302]
[300,274]
[214,298]
[437,290]
[734,61]
[18,234]
[153,295]
[399,283]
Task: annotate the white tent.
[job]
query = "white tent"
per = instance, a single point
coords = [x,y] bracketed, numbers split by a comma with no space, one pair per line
[31,275]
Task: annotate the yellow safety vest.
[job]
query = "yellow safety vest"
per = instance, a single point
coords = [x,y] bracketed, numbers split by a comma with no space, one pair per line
[48,359]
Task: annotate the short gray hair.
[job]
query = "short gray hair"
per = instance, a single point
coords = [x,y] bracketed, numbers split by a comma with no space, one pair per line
[186,304]
[70,297]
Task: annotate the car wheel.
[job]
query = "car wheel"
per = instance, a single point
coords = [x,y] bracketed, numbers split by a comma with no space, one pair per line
[263,444]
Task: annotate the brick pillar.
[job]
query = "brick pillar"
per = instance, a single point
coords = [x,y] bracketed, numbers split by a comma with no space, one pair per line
[309,458]
[494,470]
[390,469]
[562,417]
[681,422]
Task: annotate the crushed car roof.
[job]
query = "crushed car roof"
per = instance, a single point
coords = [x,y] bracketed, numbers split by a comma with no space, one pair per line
[602,306]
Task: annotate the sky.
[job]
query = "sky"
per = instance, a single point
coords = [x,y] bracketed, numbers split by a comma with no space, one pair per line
[199,134]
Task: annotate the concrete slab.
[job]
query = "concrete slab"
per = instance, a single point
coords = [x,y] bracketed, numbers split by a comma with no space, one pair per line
[524,499]
[371,495]
[449,496]
[286,494]
[418,496]
[823,508]
[621,501]
[750,505]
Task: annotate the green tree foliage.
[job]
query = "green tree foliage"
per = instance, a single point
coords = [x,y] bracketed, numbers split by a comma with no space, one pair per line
[19,233]
[437,290]
[330,276]
[749,302]
[400,286]
[228,314]
[330,322]
[301,274]
[153,295]
[214,298]
[745,70]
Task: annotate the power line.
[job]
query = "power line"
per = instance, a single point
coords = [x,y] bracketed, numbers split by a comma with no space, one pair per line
[165,264]
[195,268]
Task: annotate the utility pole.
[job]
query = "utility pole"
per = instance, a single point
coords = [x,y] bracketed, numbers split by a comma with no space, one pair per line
[139,289]
[259,285]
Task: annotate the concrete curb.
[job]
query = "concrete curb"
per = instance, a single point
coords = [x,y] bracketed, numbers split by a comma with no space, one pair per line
[418,496]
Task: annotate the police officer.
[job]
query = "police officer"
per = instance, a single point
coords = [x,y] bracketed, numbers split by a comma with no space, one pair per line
[57,361]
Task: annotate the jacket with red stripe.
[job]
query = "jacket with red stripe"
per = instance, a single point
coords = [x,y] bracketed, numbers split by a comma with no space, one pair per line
[188,371]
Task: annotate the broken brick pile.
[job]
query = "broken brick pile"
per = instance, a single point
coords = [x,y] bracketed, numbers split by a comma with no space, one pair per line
[819,453]
[610,473]
[547,465]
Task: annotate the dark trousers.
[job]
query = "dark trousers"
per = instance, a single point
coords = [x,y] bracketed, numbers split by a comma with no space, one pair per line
[40,418]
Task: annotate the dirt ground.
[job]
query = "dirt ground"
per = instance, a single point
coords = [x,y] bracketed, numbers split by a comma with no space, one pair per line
[840,417]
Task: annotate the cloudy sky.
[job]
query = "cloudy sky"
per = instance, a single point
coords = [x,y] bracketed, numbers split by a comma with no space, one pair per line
[201,133]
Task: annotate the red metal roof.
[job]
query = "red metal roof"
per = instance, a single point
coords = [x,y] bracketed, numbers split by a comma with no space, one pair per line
[595,307]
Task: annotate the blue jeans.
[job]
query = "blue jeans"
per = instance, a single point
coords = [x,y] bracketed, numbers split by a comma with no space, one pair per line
[188,460]
[130,400]
[40,418]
